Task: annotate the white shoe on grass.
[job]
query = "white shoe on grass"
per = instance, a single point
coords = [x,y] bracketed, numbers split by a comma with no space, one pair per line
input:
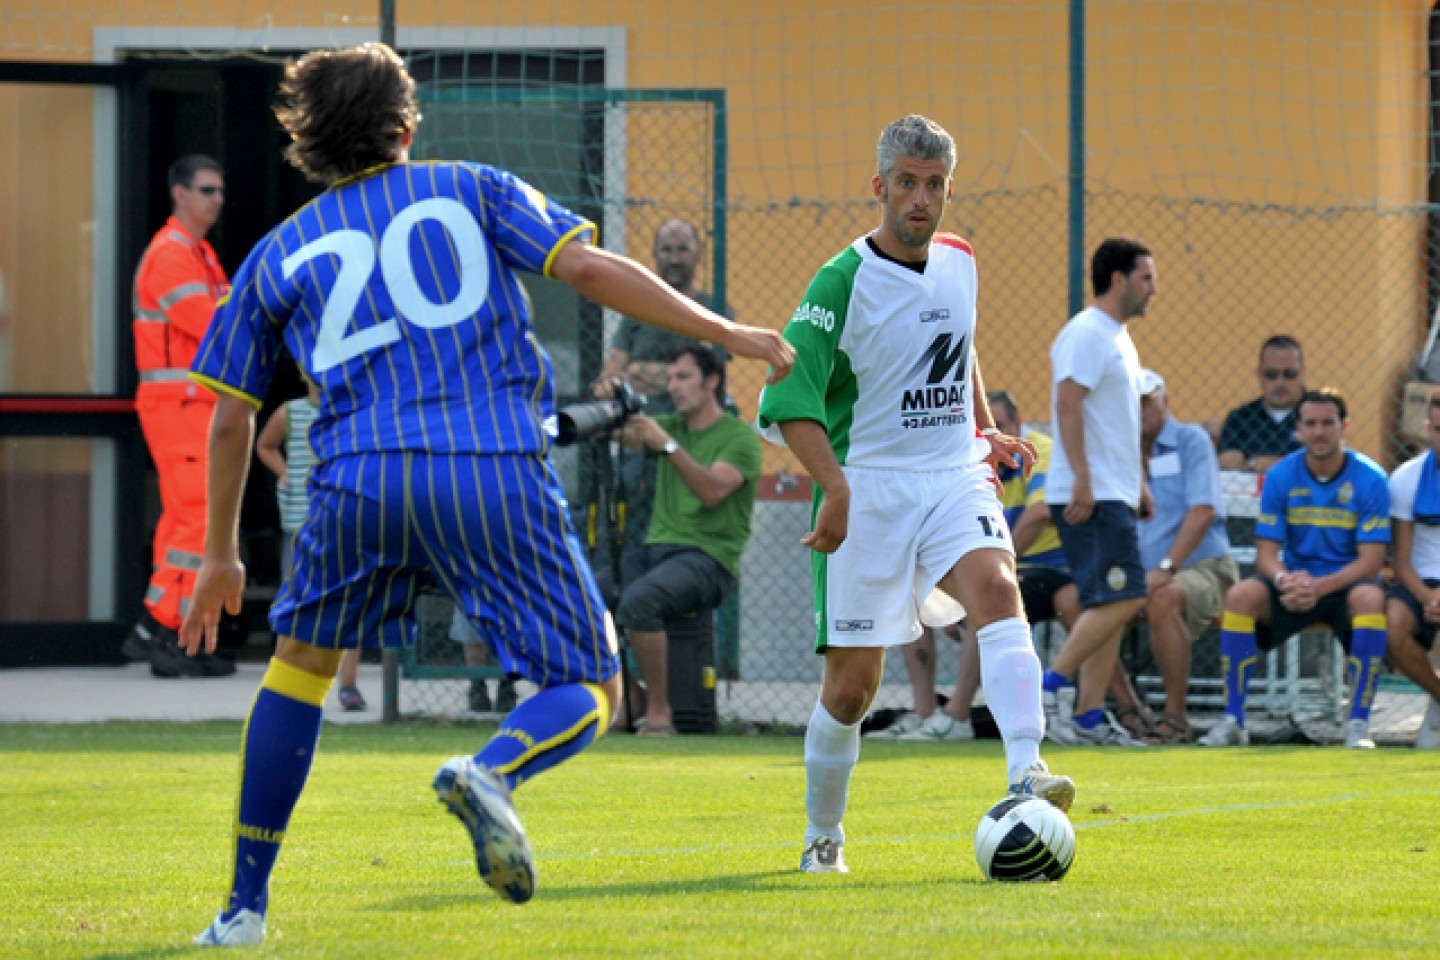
[245,929]
[906,722]
[1357,735]
[1429,736]
[939,728]
[1038,781]
[1226,733]
[824,855]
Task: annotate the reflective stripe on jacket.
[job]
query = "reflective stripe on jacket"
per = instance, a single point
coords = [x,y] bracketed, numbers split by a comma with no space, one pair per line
[176,286]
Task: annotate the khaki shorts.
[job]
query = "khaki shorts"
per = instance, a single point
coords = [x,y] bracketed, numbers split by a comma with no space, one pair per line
[1205,584]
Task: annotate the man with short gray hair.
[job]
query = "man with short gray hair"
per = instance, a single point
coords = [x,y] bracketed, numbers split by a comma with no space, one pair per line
[888,413]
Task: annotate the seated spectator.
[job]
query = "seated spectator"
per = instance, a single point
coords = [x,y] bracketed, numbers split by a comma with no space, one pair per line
[709,464]
[1257,434]
[1412,609]
[1328,509]
[1046,590]
[1183,547]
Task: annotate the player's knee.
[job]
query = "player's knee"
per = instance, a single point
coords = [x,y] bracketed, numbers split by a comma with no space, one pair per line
[1367,598]
[1248,598]
[1400,623]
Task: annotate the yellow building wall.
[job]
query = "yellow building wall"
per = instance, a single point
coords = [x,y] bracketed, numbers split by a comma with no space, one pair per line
[1268,152]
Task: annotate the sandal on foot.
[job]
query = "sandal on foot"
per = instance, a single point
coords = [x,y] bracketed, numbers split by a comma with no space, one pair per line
[1135,721]
[1169,729]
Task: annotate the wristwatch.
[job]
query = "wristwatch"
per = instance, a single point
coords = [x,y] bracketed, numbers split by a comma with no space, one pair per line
[1167,565]
[671,445]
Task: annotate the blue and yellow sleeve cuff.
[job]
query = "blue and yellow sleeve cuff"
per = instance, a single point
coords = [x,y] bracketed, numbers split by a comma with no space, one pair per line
[217,387]
[571,234]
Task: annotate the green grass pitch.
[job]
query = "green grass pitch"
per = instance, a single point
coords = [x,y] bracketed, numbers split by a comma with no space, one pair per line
[115,845]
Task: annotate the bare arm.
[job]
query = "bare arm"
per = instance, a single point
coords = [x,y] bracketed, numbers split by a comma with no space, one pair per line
[270,443]
[710,484]
[1030,525]
[622,284]
[1267,559]
[1366,566]
[221,580]
[1402,537]
[810,443]
[1070,421]
[1192,530]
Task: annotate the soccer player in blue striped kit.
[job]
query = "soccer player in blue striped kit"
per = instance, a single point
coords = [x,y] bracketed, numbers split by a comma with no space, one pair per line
[397,291]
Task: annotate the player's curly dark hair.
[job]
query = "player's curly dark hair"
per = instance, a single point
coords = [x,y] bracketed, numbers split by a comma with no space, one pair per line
[346,110]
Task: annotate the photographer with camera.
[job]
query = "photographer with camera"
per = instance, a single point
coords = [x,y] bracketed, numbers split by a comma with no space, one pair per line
[708,464]
[639,354]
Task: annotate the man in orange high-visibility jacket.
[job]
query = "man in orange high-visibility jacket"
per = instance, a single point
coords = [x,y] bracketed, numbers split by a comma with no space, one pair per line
[177,285]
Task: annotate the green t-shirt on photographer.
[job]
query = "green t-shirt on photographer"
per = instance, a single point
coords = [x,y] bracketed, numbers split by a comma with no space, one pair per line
[678,516]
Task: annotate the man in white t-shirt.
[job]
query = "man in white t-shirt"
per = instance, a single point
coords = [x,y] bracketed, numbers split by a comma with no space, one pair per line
[1412,609]
[1097,488]
[886,409]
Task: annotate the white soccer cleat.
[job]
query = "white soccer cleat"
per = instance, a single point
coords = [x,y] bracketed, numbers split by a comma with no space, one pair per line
[1357,735]
[1038,781]
[245,929]
[1226,733]
[939,728]
[905,723]
[824,855]
[1428,738]
[480,799]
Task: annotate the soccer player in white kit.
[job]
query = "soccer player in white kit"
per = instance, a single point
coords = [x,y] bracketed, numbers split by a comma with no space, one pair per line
[886,409]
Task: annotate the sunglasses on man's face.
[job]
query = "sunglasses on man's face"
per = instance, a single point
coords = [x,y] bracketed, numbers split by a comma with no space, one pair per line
[1281,374]
[210,190]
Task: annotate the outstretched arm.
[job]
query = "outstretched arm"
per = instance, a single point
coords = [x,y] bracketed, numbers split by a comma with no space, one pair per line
[625,285]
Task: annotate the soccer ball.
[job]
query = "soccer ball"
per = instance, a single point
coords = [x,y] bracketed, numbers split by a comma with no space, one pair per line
[1024,838]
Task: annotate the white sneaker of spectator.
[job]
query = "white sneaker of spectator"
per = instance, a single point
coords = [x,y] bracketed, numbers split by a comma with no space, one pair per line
[1429,736]
[907,721]
[939,727]
[1226,733]
[1106,733]
[1357,735]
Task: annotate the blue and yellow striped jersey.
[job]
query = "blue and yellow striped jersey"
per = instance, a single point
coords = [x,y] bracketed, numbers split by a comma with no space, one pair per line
[397,292]
[1321,525]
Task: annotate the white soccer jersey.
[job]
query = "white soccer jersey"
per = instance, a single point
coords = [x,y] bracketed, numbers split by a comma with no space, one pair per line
[1425,548]
[883,359]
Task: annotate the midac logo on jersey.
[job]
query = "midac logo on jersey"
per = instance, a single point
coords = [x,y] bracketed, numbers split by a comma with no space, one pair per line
[816,316]
[854,626]
[938,403]
[935,316]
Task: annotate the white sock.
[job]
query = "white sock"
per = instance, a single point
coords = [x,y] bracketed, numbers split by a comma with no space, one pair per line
[831,751]
[1010,672]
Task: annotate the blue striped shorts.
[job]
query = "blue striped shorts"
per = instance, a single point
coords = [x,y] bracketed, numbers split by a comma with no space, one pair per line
[493,532]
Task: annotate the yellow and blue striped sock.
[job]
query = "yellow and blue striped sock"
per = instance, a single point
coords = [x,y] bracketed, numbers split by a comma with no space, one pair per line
[276,751]
[1238,654]
[547,729]
[1362,667]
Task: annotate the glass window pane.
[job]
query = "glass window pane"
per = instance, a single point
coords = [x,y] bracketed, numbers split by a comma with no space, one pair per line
[56,516]
[48,249]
